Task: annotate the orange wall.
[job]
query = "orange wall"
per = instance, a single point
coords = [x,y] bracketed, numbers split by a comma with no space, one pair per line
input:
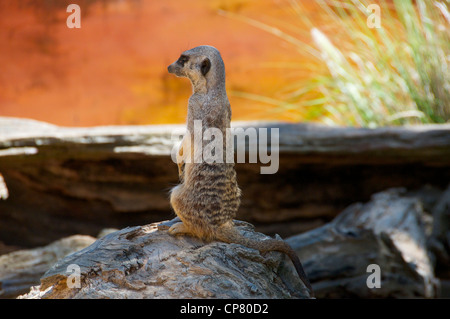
[114,69]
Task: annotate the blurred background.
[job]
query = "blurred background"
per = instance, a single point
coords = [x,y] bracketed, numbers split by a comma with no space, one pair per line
[355,64]
[113,70]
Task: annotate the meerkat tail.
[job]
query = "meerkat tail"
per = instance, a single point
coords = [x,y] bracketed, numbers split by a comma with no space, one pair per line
[231,235]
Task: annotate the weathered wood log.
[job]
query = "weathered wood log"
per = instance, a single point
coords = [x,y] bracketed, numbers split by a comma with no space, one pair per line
[22,269]
[388,232]
[439,241]
[144,262]
[63,181]
[424,143]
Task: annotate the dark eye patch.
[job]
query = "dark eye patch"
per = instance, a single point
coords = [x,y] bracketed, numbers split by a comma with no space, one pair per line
[183,59]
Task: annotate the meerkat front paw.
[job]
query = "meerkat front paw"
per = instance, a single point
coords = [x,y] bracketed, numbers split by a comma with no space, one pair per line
[165,225]
[178,229]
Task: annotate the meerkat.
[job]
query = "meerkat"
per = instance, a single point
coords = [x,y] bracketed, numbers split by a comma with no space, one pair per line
[208,197]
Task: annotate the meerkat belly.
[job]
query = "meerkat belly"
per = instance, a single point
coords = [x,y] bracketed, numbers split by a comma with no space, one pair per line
[211,198]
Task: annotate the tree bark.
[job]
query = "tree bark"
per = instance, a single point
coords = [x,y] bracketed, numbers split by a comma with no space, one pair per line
[387,232]
[144,262]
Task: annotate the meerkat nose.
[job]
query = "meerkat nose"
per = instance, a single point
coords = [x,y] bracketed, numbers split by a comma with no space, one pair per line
[170,68]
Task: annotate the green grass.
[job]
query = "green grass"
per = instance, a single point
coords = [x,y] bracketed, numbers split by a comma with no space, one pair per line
[397,74]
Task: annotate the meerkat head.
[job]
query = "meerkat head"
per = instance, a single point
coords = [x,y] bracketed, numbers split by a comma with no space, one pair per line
[203,65]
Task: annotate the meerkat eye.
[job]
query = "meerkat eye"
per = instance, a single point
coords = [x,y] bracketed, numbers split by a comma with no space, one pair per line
[183,59]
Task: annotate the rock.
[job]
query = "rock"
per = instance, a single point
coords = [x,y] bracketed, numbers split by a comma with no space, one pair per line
[387,231]
[106,231]
[19,270]
[118,176]
[439,240]
[144,262]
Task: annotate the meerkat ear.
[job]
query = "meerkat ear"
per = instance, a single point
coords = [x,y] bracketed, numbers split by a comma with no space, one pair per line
[205,66]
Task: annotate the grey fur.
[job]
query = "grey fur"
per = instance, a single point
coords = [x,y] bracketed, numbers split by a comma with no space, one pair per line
[208,197]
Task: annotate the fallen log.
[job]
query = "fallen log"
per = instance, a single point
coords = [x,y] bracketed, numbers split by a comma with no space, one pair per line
[372,250]
[385,234]
[19,270]
[144,262]
[60,181]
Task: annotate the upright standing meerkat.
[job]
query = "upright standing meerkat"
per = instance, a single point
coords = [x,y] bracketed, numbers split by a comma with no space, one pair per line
[208,197]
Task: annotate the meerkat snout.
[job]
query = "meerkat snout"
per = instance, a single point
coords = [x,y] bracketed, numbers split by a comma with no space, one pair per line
[191,64]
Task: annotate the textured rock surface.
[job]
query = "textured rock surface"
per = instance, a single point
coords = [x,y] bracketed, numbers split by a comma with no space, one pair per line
[387,231]
[390,231]
[144,262]
[21,269]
